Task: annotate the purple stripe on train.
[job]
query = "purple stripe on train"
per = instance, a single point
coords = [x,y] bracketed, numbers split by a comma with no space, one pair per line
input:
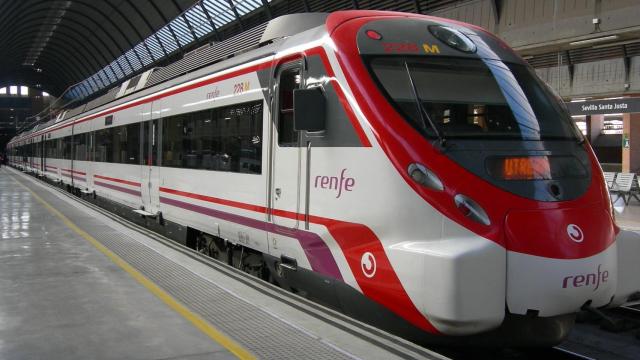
[315,249]
[118,188]
[75,177]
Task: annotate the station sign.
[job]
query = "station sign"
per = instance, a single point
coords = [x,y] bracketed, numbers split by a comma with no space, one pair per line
[601,107]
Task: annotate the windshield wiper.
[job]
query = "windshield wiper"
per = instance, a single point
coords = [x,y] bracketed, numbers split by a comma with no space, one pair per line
[424,115]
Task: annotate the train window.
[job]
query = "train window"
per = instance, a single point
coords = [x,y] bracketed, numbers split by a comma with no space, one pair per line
[50,149]
[223,139]
[66,148]
[130,144]
[175,133]
[118,144]
[54,149]
[80,147]
[240,137]
[104,148]
[289,80]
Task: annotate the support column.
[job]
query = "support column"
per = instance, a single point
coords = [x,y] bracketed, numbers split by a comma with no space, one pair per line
[596,124]
[631,131]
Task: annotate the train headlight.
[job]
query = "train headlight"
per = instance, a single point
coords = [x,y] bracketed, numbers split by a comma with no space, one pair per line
[425,177]
[453,37]
[471,209]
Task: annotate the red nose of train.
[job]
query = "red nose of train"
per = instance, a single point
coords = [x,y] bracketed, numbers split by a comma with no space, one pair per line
[560,259]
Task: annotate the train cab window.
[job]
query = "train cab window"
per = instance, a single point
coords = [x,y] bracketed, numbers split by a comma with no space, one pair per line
[289,80]
[471,98]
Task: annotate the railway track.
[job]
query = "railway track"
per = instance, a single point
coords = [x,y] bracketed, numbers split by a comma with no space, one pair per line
[364,331]
[554,353]
[631,311]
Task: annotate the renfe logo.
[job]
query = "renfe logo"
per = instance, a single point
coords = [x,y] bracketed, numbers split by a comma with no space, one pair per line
[586,279]
[368,264]
[575,233]
[335,183]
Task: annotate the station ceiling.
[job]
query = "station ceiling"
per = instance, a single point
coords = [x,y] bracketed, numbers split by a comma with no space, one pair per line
[81,47]
[56,44]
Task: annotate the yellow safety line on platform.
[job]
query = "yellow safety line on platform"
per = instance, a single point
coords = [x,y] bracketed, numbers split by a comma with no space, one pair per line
[196,320]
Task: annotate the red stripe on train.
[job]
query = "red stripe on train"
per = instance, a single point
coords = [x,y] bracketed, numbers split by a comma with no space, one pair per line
[354,240]
[132,183]
[74,171]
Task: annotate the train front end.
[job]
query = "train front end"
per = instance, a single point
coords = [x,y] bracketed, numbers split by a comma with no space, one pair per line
[527,236]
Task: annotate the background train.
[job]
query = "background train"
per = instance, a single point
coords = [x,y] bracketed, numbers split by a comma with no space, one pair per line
[410,171]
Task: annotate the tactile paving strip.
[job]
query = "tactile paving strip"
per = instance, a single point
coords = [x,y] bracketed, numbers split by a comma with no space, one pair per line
[258,331]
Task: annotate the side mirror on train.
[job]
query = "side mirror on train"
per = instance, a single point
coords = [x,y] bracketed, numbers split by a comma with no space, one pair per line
[309,109]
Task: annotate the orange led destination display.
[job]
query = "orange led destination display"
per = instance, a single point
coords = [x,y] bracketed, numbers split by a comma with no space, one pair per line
[526,168]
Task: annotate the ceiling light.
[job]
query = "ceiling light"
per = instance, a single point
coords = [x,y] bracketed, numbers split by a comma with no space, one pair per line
[625,42]
[594,40]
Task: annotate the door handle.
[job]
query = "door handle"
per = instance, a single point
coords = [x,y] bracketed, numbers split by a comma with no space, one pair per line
[278,193]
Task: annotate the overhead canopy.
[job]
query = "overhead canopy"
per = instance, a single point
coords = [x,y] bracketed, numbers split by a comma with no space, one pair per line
[55,44]
[80,47]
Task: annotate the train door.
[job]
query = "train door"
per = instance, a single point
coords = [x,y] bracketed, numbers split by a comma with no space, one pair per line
[150,167]
[90,157]
[43,158]
[286,195]
[32,154]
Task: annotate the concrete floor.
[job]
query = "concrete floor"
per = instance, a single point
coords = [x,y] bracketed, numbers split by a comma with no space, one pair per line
[627,216]
[60,298]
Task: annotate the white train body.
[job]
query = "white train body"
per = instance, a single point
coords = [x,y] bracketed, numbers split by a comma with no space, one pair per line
[339,206]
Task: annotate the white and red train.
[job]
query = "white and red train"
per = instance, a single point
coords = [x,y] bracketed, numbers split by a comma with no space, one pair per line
[408,170]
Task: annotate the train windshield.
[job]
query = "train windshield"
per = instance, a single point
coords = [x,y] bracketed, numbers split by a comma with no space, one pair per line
[472,98]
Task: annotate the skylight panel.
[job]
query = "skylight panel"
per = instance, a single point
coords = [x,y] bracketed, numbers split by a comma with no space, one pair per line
[199,21]
[182,31]
[167,39]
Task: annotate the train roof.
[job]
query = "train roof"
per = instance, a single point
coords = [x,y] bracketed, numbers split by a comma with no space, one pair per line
[258,42]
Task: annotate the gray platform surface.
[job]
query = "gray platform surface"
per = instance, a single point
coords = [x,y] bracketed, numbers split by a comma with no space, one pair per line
[627,216]
[61,298]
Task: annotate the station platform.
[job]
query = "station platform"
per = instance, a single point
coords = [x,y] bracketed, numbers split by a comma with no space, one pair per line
[79,283]
[627,215]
